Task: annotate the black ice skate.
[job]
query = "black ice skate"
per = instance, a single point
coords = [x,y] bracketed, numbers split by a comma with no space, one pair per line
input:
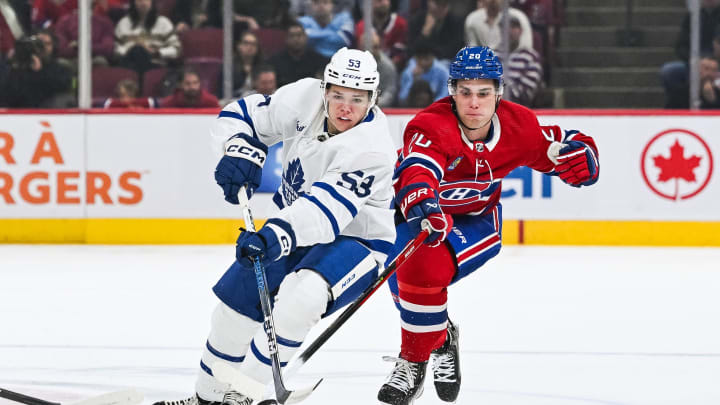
[446,365]
[404,384]
[230,398]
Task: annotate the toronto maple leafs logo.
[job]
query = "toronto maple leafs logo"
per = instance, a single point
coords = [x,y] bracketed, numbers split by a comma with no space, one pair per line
[292,181]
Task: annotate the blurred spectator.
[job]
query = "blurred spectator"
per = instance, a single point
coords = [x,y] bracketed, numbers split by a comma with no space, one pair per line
[127,94]
[35,78]
[102,37]
[264,81]
[392,29]
[436,26]
[709,20]
[424,66]
[709,83]
[388,74]
[484,25]
[250,14]
[297,60]
[248,57]
[674,75]
[327,32]
[189,14]
[190,94]
[523,70]
[47,12]
[421,95]
[14,23]
[144,39]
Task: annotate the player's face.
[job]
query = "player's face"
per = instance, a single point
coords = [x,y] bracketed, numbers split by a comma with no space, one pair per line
[346,107]
[475,101]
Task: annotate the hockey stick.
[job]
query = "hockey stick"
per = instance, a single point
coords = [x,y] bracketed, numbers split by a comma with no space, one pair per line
[231,375]
[127,397]
[408,250]
[281,392]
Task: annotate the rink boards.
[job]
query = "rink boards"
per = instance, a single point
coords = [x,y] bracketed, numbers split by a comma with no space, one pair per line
[98,177]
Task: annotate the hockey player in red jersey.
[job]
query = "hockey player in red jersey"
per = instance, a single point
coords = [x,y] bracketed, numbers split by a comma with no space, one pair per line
[449,176]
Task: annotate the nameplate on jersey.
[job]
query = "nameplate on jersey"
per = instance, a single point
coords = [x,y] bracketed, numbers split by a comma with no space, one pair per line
[239,147]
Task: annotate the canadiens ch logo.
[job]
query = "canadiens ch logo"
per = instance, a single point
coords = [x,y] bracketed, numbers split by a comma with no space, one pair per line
[676,164]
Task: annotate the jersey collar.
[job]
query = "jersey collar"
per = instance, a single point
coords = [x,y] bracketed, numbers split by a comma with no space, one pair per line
[493,135]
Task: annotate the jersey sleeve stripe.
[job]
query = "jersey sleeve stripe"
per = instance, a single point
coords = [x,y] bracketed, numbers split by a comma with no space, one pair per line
[420,161]
[326,211]
[238,116]
[248,119]
[334,193]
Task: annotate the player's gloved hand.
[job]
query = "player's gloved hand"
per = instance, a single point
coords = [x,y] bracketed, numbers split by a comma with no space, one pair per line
[576,164]
[241,165]
[273,241]
[419,203]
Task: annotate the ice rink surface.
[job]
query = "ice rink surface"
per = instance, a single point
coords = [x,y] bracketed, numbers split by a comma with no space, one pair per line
[538,326]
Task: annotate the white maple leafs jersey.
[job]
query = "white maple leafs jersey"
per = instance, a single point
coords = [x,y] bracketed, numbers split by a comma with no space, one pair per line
[339,185]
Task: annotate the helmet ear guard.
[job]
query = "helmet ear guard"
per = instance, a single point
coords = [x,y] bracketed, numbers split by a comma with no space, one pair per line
[354,69]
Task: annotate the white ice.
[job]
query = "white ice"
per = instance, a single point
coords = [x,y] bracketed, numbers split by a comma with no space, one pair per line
[539,326]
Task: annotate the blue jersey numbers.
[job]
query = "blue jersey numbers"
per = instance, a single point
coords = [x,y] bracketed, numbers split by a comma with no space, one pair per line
[357,183]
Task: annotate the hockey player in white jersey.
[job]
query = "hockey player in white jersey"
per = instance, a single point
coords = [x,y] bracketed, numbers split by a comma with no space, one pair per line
[334,227]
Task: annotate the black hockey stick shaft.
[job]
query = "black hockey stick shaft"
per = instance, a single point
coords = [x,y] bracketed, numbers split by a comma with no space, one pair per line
[25,399]
[281,392]
[349,311]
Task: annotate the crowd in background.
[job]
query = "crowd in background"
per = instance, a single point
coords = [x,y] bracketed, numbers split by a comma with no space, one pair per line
[675,74]
[168,53]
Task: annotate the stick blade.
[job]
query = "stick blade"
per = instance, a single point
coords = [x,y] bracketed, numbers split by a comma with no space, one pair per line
[238,381]
[300,394]
[126,397]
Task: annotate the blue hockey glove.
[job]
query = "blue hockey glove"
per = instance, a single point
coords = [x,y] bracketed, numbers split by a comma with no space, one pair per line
[419,202]
[272,242]
[241,165]
[576,164]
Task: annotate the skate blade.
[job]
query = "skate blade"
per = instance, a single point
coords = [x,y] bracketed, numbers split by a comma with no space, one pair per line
[126,397]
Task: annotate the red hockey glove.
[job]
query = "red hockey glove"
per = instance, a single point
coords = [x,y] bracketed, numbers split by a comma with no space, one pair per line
[419,204]
[577,165]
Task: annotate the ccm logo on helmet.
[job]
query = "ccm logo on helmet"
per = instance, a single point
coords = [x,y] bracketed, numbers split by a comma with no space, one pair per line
[349,76]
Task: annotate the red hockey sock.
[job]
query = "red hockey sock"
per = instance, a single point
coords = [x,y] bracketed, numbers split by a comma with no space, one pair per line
[422,284]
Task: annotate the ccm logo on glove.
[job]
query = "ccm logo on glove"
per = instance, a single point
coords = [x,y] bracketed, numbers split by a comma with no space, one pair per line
[239,147]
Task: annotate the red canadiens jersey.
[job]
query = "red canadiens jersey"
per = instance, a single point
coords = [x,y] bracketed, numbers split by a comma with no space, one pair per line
[468,175]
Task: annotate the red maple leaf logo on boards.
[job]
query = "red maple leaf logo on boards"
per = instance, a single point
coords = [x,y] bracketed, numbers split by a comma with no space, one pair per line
[676,166]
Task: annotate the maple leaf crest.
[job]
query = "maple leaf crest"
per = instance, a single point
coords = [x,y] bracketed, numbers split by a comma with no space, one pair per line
[292,181]
[676,166]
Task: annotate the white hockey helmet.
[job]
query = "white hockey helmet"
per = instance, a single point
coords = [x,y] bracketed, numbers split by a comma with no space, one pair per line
[355,69]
